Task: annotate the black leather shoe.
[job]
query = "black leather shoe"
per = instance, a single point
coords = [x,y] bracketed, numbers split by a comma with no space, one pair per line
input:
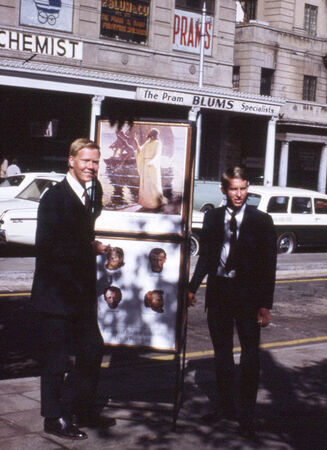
[248,431]
[63,427]
[93,420]
[215,417]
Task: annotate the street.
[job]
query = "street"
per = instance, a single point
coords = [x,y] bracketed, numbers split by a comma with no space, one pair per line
[299,316]
[140,385]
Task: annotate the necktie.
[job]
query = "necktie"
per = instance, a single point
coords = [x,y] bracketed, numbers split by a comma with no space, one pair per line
[87,203]
[230,263]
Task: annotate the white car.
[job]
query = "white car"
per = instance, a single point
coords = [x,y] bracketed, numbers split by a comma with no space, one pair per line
[299,215]
[14,184]
[18,216]
[18,225]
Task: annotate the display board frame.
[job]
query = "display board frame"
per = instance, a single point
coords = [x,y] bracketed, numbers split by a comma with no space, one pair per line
[136,226]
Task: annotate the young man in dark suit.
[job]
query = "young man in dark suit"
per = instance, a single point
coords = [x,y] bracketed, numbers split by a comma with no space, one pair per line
[238,253]
[64,294]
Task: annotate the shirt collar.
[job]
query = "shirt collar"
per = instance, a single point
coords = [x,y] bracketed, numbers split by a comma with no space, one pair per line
[239,212]
[76,186]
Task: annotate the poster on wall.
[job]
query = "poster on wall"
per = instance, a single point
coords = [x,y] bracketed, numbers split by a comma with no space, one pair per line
[137,291]
[51,14]
[126,21]
[144,172]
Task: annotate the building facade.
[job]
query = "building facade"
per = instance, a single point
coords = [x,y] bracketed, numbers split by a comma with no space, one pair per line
[281,50]
[63,63]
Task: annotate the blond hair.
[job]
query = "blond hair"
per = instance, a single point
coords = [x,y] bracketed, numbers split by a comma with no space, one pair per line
[80,143]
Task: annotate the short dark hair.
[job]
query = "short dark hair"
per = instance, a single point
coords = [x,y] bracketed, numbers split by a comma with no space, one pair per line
[233,172]
[116,290]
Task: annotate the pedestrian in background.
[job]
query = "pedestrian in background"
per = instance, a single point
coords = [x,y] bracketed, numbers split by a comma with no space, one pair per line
[64,294]
[3,167]
[238,252]
[13,168]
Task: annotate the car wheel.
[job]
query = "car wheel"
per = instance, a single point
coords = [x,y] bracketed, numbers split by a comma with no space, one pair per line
[286,243]
[195,244]
[206,208]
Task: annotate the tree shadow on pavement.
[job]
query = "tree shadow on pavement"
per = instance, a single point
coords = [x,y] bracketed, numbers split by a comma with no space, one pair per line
[296,399]
[291,407]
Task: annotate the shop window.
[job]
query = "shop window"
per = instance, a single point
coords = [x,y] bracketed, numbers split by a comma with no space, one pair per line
[266,81]
[196,5]
[310,18]
[309,88]
[236,77]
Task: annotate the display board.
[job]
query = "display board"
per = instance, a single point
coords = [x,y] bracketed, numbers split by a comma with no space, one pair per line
[145,172]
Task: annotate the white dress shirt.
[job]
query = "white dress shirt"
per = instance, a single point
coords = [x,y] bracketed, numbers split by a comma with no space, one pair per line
[77,187]
[221,272]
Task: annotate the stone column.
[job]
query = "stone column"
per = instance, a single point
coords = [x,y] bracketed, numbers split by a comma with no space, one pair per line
[270,153]
[322,170]
[195,115]
[95,111]
[283,164]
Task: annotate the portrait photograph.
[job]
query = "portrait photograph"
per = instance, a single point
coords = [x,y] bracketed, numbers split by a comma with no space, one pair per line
[143,169]
[137,306]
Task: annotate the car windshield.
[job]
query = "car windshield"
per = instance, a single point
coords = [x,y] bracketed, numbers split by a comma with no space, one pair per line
[12,181]
[36,189]
[253,200]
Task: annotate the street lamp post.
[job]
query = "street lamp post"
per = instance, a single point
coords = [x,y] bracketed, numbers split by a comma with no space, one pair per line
[200,83]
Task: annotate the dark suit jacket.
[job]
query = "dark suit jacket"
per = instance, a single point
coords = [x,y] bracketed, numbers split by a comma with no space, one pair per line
[255,257]
[65,274]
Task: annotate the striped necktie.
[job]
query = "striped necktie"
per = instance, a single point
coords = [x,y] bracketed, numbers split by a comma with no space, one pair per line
[87,202]
[230,263]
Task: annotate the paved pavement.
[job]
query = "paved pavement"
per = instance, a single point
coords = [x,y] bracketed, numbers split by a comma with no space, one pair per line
[292,401]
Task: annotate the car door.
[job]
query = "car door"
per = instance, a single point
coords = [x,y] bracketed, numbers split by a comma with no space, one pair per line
[303,220]
[320,209]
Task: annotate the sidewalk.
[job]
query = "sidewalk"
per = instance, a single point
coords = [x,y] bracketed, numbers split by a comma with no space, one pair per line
[291,407]
[17,273]
[292,400]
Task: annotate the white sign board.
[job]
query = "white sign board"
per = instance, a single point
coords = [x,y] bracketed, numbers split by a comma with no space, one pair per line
[207,101]
[187,32]
[40,44]
[51,14]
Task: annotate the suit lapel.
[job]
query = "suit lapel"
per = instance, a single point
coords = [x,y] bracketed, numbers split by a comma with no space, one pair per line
[73,198]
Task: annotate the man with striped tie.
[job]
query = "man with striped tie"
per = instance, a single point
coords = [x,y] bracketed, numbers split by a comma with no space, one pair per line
[238,253]
[64,294]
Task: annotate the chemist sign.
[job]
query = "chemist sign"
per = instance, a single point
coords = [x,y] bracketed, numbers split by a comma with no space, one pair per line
[207,101]
[187,32]
[40,44]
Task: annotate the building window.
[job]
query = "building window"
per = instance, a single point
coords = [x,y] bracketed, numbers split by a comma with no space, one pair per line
[236,77]
[310,18]
[249,8]
[266,81]
[196,5]
[309,88]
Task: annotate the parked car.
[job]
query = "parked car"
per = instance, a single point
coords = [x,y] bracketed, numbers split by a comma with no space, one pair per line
[207,195]
[197,221]
[12,185]
[18,216]
[299,215]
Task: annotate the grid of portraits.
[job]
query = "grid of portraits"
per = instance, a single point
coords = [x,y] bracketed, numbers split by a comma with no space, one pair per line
[137,290]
